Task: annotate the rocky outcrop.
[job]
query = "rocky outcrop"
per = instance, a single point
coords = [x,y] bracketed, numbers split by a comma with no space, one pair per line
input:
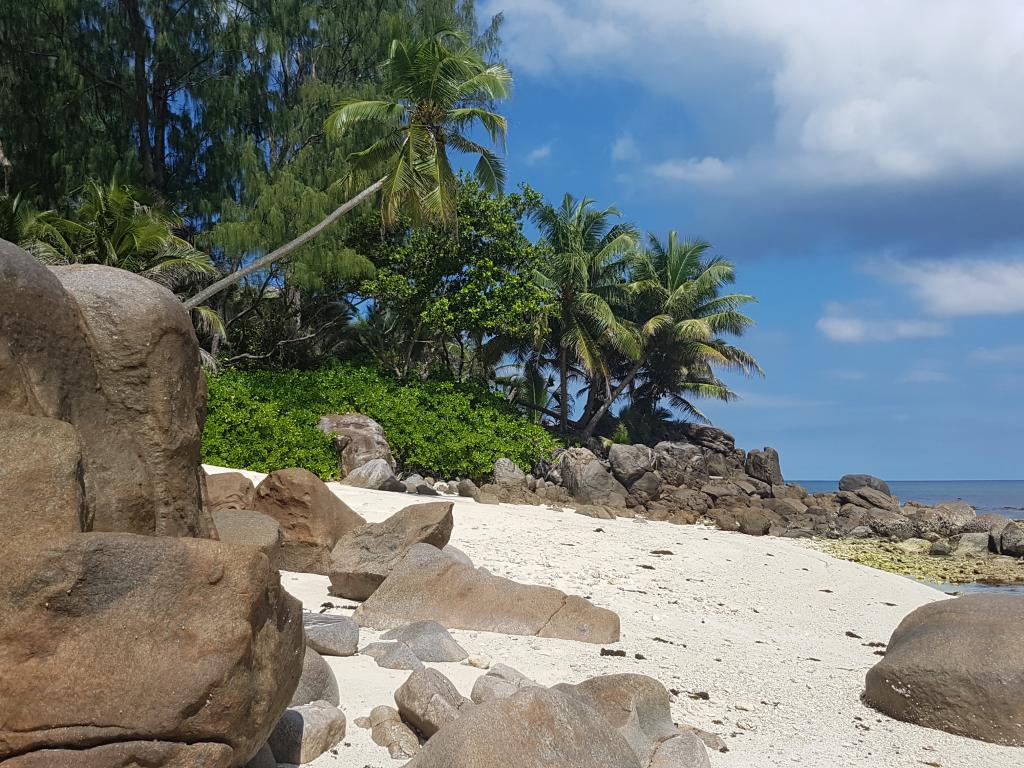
[763,465]
[856,482]
[363,558]
[357,440]
[588,480]
[422,584]
[99,640]
[312,519]
[631,462]
[957,666]
[114,355]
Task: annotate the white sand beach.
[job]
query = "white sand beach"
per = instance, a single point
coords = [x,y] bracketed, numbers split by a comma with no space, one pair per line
[776,634]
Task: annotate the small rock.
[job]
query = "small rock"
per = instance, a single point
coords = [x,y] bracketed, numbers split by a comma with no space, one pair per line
[388,730]
[304,733]
[428,701]
[480,662]
[331,635]
[393,656]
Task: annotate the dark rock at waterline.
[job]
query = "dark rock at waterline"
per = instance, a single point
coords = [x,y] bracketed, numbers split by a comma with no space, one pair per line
[957,666]
[764,465]
[856,482]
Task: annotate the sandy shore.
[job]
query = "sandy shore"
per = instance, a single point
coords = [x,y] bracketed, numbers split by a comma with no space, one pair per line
[761,625]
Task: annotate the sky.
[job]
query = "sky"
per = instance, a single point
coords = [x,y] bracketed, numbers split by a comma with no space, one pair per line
[860,163]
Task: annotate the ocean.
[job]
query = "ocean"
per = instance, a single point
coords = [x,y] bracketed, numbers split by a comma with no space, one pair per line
[1003,496]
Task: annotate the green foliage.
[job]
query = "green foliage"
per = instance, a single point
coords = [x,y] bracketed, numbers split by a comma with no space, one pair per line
[266,420]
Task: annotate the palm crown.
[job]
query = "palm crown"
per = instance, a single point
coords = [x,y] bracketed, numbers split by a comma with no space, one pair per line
[437,91]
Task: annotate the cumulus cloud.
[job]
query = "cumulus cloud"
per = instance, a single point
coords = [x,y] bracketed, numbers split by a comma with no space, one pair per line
[961,286]
[855,325]
[856,91]
[535,156]
[625,148]
[693,169]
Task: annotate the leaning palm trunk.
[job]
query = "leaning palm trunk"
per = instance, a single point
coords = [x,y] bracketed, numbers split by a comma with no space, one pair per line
[591,425]
[284,250]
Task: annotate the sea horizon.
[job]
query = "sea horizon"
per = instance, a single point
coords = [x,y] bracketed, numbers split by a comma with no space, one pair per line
[1004,497]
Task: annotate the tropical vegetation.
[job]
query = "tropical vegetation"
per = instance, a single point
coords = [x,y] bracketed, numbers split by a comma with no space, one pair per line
[323,184]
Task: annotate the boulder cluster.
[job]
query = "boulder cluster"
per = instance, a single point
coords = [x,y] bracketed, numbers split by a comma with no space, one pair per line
[128,634]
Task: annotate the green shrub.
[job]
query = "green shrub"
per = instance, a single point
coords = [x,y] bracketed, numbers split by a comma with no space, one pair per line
[266,420]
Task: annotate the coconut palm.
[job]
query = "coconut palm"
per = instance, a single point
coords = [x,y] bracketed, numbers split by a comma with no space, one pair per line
[584,271]
[435,92]
[680,317]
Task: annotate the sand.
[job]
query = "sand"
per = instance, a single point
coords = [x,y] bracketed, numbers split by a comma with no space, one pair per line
[760,625]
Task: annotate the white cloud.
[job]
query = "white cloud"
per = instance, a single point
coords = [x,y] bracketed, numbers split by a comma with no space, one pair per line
[535,156]
[1011,354]
[848,324]
[962,286]
[923,376]
[857,91]
[625,148]
[703,169]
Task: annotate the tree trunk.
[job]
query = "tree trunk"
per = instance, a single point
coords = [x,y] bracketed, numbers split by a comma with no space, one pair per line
[140,48]
[563,390]
[285,249]
[591,425]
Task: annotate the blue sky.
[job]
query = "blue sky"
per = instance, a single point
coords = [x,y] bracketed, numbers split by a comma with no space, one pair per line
[860,162]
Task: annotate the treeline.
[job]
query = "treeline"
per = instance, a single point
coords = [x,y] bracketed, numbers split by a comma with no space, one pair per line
[193,139]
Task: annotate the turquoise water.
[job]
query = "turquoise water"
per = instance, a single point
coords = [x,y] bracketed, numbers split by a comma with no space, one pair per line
[1003,496]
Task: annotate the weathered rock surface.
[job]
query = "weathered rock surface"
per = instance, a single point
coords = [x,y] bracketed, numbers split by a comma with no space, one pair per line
[388,730]
[114,355]
[113,638]
[244,527]
[331,635]
[429,640]
[684,750]
[631,462]
[588,481]
[422,584]
[958,666]
[507,473]
[500,682]
[534,727]
[306,732]
[312,519]
[263,759]
[636,706]
[947,519]
[357,439]
[229,490]
[856,482]
[428,701]
[41,480]
[364,557]
[763,465]
[316,683]
[129,754]
[377,475]
[393,655]
[969,544]
[681,464]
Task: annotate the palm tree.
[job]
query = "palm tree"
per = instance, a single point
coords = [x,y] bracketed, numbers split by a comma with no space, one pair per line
[436,91]
[680,317]
[585,272]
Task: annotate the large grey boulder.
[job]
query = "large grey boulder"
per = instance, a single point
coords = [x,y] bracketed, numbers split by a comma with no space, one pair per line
[376,475]
[246,528]
[763,465]
[958,666]
[946,519]
[357,439]
[429,640]
[364,557]
[534,727]
[631,462]
[856,482]
[114,355]
[316,682]
[109,637]
[508,474]
[428,701]
[305,732]
[587,479]
[422,584]
[706,436]
[499,682]
[312,519]
[393,655]
[331,635]
[1011,540]
[681,464]
[969,544]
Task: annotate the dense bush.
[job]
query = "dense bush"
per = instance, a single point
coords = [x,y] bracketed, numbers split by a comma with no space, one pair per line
[266,420]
